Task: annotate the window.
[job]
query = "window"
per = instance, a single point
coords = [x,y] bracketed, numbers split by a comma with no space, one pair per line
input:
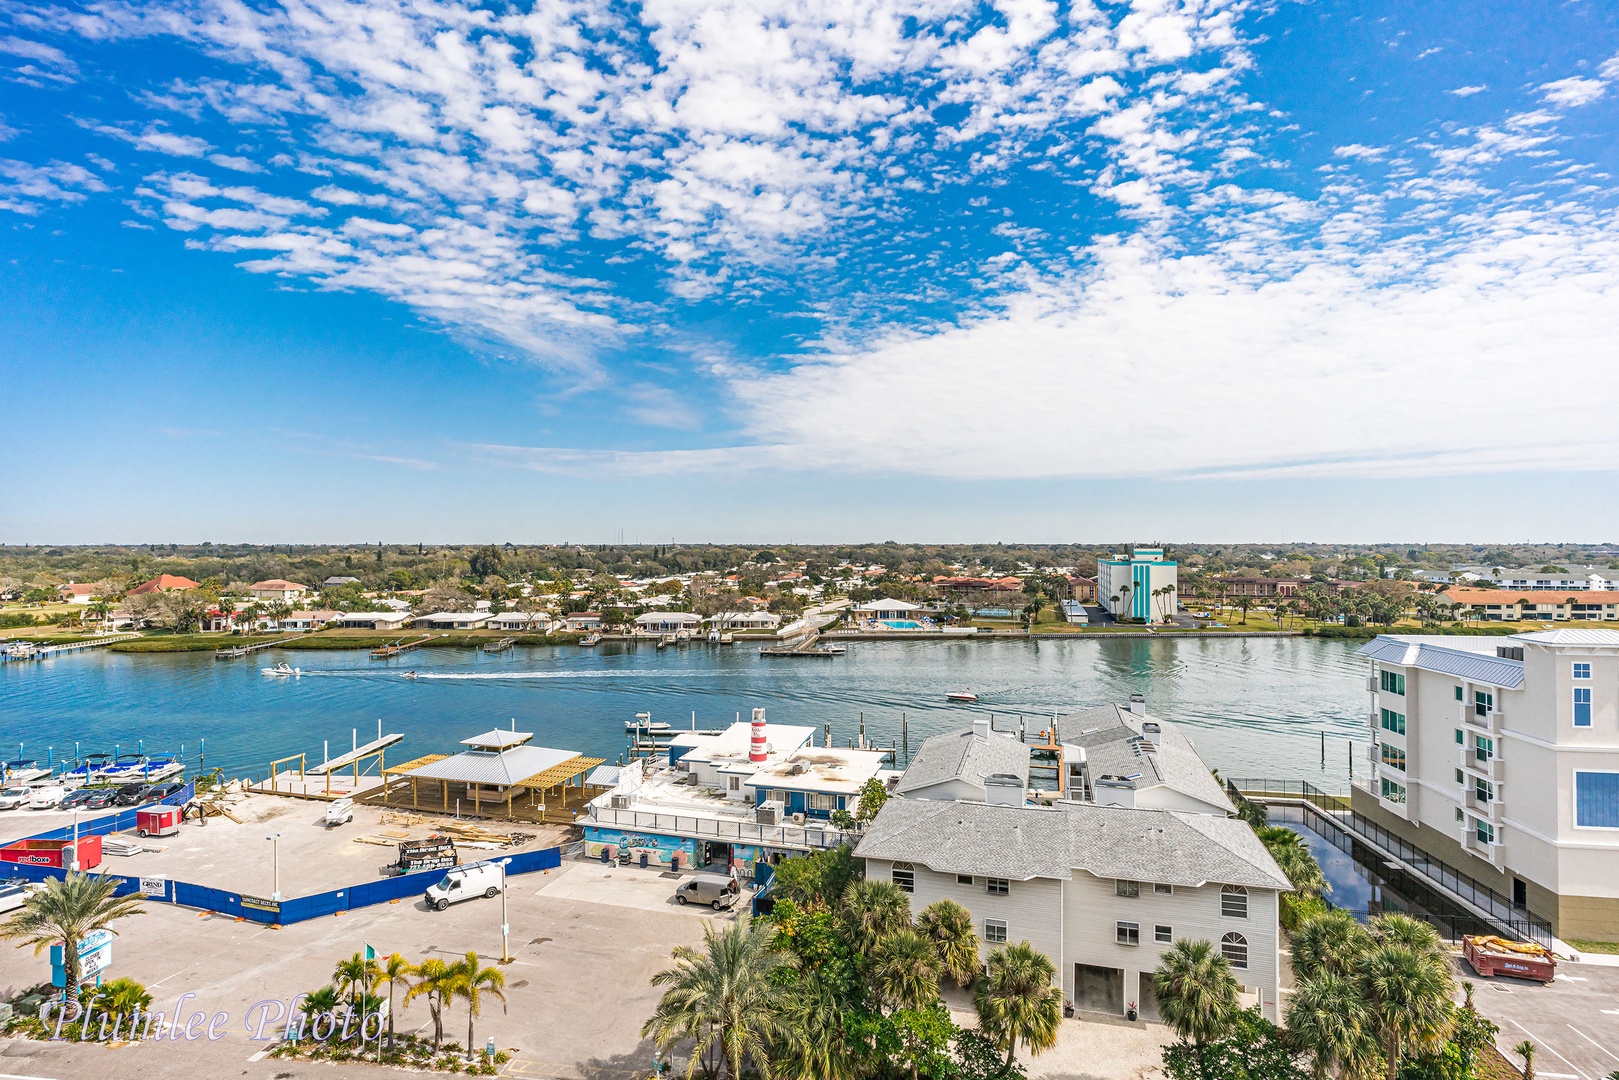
[1484,831]
[1393,721]
[1520,894]
[964,879]
[1393,682]
[1460,779]
[1459,694]
[736,783]
[1460,738]
[1235,949]
[904,875]
[1393,757]
[1483,790]
[1483,748]
[997,886]
[1127,933]
[1234,901]
[1394,793]
[823,802]
[995,931]
[1162,934]
[1596,800]
[1582,671]
[1483,703]
[1160,889]
[1127,888]
[1582,706]
[1459,815]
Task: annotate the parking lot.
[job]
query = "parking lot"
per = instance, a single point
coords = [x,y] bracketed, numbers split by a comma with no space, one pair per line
[1574,1022]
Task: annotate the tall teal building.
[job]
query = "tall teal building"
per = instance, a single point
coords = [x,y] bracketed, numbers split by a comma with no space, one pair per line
[1144,585]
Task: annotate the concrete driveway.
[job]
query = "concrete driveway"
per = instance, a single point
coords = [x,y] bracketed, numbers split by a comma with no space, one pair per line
[1574,1023]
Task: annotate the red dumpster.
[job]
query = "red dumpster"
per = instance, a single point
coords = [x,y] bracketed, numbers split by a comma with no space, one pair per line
[53,852]
[157,820]
[1490,955]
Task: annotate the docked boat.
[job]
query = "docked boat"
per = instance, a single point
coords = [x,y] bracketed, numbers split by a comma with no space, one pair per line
[643,722]
[149,771]
[23,771]
[591,639]
[91,768]
[714,637]
[961,695]
[281,669]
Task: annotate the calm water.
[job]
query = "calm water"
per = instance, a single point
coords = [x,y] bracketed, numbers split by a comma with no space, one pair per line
[1255,706]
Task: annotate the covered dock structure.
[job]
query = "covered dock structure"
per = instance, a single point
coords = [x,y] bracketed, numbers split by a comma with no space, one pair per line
[500,775]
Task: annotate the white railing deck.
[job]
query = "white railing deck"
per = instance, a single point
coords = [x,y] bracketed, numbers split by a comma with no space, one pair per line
[807,837]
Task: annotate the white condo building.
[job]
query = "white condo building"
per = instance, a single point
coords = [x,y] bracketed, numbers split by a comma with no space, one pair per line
[1500,755]
[1142,585]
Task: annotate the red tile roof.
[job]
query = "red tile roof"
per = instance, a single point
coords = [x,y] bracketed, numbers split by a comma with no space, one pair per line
[164,583]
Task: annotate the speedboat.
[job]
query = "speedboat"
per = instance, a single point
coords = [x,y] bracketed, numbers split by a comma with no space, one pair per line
[961,695]
[128,767]
[155,770]
[411,674]
[23,771]
[91,768]
[282,668]
[644,722]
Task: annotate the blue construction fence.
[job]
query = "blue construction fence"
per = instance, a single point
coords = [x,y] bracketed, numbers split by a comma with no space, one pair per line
[260,909]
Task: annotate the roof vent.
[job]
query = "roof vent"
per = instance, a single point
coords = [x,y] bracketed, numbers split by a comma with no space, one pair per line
[1152,732]
[1510,652]
[1115,791]
[1138,704]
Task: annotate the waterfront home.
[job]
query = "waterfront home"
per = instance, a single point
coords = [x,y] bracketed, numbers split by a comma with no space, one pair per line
[751,793]
[1500,756]
[336,582]
[1115,754]
[308,620]
[452,620]
[76,594]
[278,589]
[889,610]
[1141,585]
[1104,891]
[583,621]
[745,620]
[968,764]
[375,620]
[668,622]
[164,583]
[1082,588]
[1514,605]
[1259,587]
[535,622]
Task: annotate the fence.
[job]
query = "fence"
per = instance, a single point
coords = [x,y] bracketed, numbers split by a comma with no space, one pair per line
[1331,817]
[787,836]
[256,908]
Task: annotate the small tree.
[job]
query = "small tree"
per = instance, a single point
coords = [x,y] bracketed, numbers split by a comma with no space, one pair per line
[1197,994]
[1017,1002]
[873,796]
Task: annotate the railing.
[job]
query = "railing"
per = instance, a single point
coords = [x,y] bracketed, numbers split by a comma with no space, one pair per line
[793,836]
[1332,818]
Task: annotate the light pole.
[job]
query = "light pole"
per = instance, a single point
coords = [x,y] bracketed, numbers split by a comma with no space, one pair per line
[275,865]
[505,927]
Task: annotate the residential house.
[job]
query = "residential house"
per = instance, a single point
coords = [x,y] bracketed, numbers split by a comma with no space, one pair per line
[278,589]
[164,583]
[339,582]
[966,765]
[452,620]
[76,594]
[583,621]
[745,620]
[668,622]
[376,620]
[978,584]
[535,622]
[1259,587]
[308,620]
[889,610]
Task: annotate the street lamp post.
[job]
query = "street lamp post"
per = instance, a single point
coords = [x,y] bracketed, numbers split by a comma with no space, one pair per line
[275,865]
[505,926]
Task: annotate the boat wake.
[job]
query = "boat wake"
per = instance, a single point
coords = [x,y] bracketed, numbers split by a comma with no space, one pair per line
[498,676]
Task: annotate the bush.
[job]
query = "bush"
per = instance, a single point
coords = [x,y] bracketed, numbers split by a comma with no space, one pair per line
[1297,910]
[1255,1049]
[12,620]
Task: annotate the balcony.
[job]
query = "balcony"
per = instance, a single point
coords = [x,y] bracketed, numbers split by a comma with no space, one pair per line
[1490,811]
[1490,721]
[805,837]
[1371,683]
[1492,852]
[1492,769]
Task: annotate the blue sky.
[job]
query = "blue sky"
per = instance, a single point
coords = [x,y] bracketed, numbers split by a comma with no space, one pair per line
[815,271]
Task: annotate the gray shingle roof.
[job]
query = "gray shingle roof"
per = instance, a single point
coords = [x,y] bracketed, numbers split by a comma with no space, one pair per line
[1111,736]
[1023,842]
[964,755]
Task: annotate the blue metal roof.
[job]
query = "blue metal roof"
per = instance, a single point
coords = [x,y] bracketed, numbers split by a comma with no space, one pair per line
[1427,655]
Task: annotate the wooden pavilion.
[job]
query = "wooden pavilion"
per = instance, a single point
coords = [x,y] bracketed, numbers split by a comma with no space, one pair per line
[500,776]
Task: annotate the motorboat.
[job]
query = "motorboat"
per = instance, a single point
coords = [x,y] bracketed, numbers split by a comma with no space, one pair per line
[961,695]
[411,674]
[282,668]
[126,768]
[644,722]
[591,639]
[714,637]
[155,770]
[23,771]
[91,767]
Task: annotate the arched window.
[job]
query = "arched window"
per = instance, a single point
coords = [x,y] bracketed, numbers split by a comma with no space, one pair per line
[1235,949]
[1234,901]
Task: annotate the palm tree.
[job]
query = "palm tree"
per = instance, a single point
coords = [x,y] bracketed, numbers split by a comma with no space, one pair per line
[318,1003]
[1526,1050]
[1295,860]
[905,970]
[1408,995]
[722,996]
[1017,1002]
[355,976]
[1332,942]
[472,982]
[874,909]
[1197,994]
[949,927]
[815,1046]
[1327,1020]
[396,972]
[65,911]
[433,977]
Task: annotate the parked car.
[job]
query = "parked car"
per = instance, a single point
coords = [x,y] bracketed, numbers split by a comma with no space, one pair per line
[339,812]
[130,794]
[77,797]
[152,793]
[100,798]
[463,883]
[13,797]
[13,894]
[715,890]
[47,798]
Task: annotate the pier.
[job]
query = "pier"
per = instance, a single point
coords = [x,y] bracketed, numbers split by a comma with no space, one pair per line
[388,652]
[804,647]
[236,651]
[500,646]
[36,650]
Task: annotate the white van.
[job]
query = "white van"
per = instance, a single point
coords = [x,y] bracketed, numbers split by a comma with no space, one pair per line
[47,798]
[463,883]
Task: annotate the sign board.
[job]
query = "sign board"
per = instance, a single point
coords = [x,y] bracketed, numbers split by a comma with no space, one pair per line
[95,956]
[259,903]
[154,886]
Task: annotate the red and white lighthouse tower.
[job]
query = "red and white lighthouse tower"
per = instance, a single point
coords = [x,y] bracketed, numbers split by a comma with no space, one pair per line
[756,744]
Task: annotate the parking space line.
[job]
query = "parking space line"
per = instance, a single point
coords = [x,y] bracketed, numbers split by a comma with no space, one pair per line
[1593,1042]
[1551,1049]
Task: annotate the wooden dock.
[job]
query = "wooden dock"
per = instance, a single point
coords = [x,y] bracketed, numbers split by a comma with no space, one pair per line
[500,646]
[805,647]
[235,651]
[39,650]
[388,652]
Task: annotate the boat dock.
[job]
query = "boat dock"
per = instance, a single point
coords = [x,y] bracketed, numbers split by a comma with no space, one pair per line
[39,650]
[237,651]
[804,647]
[388,652]
[500,646]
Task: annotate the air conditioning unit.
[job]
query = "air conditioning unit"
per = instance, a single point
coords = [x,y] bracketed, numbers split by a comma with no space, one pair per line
[768,813]
[798,819]
[621,802]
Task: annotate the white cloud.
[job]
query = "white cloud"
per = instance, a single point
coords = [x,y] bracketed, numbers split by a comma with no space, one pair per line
[24,186]
[1467,91]
[1573,92]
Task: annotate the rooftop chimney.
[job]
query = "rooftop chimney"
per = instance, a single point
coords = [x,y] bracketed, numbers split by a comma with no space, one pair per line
[1115,791]
[1152,732]
[1003,789]
[756,744]
[1138,704]
[981,727]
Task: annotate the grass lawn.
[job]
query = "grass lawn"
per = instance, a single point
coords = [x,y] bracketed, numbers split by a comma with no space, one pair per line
[1611,948]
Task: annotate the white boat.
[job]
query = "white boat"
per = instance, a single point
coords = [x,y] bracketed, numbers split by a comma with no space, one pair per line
[410,674]
[644,722]
[714,636]
[282,668]
[23,771]
[961,695]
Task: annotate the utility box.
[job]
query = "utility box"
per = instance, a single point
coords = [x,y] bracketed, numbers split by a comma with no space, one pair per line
[157,820]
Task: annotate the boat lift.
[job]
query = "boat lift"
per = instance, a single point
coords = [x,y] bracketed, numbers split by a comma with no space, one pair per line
[376,748]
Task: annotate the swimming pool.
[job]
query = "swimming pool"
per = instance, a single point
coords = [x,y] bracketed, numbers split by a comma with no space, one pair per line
[902,624]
